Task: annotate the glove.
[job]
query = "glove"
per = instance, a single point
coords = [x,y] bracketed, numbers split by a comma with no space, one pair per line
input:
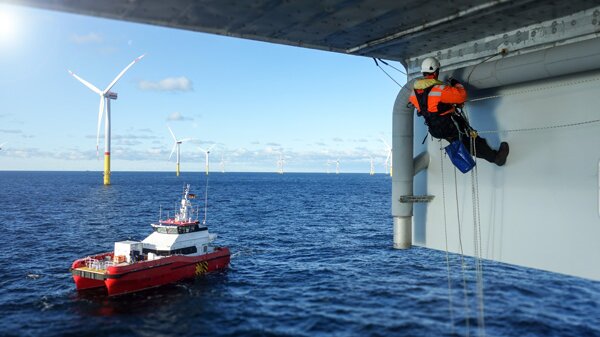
[454,82]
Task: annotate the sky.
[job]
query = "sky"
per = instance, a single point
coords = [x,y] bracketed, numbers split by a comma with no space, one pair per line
[252,100]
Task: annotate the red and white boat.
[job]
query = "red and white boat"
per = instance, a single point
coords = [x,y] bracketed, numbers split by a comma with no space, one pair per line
[179,248]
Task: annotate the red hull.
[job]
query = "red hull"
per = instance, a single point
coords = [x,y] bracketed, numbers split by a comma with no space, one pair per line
[149,274]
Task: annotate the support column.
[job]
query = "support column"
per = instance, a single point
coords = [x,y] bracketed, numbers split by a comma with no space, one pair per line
[402,166]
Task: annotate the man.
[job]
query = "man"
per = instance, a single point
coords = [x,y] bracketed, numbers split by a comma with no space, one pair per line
[437,102]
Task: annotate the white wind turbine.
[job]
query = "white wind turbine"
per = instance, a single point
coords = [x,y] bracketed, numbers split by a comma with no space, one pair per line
[388,159]
[280,164]
[337,166]
[206,153]
[222,164]
[372,170]
[105,96]
[327,164]
[176,146]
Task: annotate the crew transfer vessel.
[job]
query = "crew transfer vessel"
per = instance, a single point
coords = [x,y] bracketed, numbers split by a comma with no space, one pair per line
[178,248]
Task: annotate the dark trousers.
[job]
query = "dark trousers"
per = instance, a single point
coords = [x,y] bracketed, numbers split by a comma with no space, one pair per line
[482,149]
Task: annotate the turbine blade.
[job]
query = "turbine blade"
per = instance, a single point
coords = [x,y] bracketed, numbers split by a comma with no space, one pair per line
[210,148]
[386,143]
[86,83]
[122,73]
[173,150]
[172,134]
[203,150]
[186,139]
[100,112]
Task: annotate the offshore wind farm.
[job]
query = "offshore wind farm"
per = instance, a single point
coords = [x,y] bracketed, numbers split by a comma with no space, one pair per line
[295,142]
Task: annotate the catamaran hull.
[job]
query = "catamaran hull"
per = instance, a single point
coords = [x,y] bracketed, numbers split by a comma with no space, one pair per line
[143,275]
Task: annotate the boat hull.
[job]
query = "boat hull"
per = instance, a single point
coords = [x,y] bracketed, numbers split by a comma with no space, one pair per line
[128,278]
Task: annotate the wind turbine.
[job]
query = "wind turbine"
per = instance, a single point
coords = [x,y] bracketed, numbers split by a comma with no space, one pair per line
[388,159]
[177,146]
[222,164]
[337,166]
[280,164]
[372,170]
[327,164]
[105,96]
[206,152]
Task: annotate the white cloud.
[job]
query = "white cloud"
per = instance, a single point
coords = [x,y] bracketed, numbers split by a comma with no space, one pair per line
[87,38]
[172,84]
[177,117]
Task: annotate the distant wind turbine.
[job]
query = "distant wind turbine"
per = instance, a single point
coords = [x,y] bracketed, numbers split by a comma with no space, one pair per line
[327,164]
[280,164]
[388,159]
[176,146]
[337,166]
[222,164]
[372,170]
[206,153]
[105,96]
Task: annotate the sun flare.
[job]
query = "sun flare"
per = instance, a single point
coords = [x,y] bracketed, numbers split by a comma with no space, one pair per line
[7,25]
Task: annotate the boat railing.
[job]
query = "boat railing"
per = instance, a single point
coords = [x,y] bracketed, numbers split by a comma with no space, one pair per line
[96,264]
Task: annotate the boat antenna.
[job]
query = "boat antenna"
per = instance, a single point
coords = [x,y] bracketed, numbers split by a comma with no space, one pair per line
[205,199]
[159,212]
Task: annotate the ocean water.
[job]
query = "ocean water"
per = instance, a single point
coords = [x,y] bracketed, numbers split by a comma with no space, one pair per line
[312,256]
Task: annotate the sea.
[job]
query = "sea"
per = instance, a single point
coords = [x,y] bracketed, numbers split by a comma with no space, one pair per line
[312,256]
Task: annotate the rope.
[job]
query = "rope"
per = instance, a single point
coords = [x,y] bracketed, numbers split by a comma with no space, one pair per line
[477,240]
[564,84]
[541,127]
[391,66]
[385,72]
[451,311]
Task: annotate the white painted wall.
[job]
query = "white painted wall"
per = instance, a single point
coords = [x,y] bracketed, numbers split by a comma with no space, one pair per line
[541,209]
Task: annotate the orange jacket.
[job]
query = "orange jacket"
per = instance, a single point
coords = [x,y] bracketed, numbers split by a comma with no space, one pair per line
[440,93]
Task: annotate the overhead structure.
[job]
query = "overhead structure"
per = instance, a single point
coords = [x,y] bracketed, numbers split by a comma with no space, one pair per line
[524,63]
[177,147]
[105,96]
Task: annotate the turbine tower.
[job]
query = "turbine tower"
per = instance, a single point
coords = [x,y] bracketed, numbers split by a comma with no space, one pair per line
[206,152]
[388,159]
[372,171]
[176,146]
[105,96]
[222,164]
[280,164]
[337,166]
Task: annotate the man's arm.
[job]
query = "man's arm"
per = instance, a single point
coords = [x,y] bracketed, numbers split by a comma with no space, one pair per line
[454,93]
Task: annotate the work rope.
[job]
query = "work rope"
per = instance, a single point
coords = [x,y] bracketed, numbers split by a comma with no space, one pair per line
[462,257]
[385,72]
[450,309]
[477,237]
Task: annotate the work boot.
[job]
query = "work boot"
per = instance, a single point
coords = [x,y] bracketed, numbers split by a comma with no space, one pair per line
[502,154]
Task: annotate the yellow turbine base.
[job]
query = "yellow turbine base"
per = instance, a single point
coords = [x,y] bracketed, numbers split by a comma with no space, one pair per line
[106,169]
[177,171]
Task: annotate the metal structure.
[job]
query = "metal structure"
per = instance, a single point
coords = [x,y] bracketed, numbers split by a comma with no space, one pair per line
[528,65]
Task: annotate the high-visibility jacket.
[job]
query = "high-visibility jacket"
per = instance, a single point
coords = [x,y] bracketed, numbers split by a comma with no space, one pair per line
[440,93]
[433,100]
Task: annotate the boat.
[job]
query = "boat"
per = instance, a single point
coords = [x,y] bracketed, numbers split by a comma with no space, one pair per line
[178,248]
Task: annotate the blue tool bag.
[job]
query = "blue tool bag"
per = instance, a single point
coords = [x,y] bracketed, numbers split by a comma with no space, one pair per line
[460,156]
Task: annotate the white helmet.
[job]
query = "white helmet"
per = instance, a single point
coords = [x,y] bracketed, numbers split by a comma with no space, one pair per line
[430,65]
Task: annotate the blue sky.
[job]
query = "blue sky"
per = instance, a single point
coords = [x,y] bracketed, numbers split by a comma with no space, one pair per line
[252,99]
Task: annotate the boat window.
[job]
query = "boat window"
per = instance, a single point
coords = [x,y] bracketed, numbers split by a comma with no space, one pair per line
[161,230]
[184,251]
[171,230]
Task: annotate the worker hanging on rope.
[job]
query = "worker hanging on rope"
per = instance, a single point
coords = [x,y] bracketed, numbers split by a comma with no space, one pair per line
[440,104]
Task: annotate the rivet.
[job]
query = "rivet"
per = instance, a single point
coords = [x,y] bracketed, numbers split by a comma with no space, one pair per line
[573,23]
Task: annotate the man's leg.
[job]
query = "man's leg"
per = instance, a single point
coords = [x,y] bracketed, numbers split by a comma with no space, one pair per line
[482,149]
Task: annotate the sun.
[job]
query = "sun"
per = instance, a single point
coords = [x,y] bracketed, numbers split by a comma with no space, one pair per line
[7,25]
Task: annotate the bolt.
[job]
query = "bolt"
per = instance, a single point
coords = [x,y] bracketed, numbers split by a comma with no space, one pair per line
[573,23]
[533,33]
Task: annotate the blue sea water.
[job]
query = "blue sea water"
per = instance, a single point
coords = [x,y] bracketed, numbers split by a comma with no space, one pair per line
[312,256]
